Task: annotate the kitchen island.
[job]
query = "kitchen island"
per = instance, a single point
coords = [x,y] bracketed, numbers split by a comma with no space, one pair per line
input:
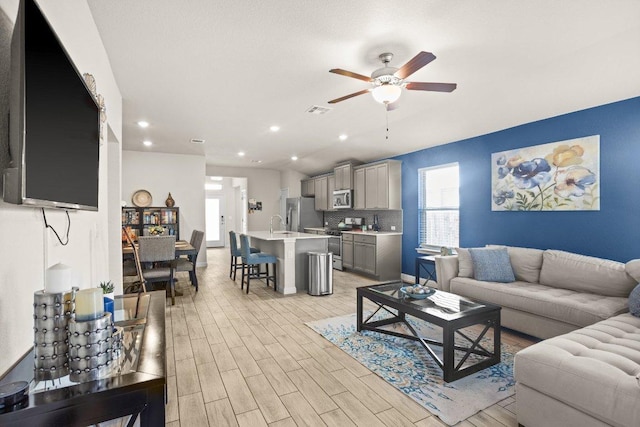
[291,249]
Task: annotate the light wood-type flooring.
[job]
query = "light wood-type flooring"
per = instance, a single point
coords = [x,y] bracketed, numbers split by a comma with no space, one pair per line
[249,360]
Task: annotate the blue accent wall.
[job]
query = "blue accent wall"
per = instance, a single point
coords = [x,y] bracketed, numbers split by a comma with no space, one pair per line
[612,233]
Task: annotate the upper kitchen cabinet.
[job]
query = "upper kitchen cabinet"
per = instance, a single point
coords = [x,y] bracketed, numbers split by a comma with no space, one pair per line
[378,186]
[321,188]
[308,187]
[358,192]
[343,175]
[331,185]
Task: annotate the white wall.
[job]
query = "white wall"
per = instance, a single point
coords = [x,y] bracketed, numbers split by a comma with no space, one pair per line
[262,185]
[26,248]
[159,174]
[291,179]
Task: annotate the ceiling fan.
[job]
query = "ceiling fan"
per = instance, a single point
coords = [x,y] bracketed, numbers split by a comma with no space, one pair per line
[387,82]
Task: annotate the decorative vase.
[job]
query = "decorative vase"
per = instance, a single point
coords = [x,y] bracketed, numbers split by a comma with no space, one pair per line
[109,305]
[170,202]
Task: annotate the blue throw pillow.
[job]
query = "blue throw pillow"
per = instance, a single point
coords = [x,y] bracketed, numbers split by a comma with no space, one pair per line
[634,301]
[492,265]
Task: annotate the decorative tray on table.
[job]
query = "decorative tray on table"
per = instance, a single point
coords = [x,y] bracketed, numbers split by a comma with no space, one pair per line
[417,292]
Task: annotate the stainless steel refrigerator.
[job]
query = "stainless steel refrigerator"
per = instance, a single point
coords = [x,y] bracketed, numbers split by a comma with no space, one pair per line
[301,214]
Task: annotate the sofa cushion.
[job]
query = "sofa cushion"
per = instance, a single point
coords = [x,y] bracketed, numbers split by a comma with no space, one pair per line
[634,301]
[526,262]
[585,274]
[633,269]
[565,305]
[491,264]
[465,265]
[595,369]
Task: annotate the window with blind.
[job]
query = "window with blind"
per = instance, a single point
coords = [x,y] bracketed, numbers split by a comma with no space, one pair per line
[439,206]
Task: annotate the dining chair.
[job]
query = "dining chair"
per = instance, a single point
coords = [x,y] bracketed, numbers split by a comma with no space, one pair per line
[235,254]
[189,263]
[133,280]
[251,263]
[157,256]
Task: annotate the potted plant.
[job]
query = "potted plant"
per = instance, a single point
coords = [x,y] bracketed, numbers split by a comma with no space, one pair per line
[107,288]
[108,295]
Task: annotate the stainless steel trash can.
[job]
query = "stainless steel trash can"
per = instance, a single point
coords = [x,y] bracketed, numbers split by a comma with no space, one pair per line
[320,273]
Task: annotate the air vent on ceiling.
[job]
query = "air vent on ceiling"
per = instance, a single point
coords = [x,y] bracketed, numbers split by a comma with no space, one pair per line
[197,141]
[316,109]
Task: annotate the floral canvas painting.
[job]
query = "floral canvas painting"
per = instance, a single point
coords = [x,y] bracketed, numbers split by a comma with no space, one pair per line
[562,175]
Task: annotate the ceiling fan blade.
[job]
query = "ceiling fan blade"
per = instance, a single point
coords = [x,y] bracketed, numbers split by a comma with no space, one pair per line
[333,101]
[350,74]
[417,62]
[434,87]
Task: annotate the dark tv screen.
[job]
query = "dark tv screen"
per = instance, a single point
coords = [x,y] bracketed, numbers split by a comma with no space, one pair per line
[62,128]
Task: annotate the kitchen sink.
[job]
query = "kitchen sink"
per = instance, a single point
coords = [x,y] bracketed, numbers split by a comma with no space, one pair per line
[283,232]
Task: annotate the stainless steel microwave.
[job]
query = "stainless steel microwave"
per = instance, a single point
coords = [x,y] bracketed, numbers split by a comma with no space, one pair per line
[342,199]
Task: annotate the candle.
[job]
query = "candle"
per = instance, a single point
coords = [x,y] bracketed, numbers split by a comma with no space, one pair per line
[89,304]
[58,279]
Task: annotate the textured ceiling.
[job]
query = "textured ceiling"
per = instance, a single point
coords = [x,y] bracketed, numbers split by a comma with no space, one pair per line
[225,71]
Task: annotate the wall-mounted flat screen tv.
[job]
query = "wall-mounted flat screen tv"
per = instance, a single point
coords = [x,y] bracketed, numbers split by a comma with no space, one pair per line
[54,121]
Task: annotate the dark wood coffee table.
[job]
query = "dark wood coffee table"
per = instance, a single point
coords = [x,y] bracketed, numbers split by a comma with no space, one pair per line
[449,311]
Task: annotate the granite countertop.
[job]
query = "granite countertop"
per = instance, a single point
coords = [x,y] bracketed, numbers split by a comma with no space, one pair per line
[284,235]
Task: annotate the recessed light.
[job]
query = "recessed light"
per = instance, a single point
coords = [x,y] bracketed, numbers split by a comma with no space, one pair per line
[197,141]
[241,153]
[143,124]
[147,143]
[256,161]
[274,128]
[343,137]
[294,158]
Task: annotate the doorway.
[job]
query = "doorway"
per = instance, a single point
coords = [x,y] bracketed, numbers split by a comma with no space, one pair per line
[225,208]
[214,222]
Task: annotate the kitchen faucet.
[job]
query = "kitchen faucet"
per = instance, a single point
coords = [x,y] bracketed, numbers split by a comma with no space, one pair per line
[271,222]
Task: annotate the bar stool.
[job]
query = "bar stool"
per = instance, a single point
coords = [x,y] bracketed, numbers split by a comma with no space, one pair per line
[251,260]
[235,254]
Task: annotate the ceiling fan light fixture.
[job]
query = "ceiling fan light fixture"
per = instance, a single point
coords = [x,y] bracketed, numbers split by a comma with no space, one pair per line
[386,93]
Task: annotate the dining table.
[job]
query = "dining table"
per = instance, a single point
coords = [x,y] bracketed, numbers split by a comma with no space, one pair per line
[182,248]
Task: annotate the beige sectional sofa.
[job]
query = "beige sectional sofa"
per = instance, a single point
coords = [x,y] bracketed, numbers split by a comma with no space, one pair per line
[587,373]
[586,378]
[555,292]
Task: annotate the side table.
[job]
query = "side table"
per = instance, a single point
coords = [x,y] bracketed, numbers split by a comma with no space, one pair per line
[427,264]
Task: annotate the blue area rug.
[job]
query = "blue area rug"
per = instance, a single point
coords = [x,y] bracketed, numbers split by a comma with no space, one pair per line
[407,366]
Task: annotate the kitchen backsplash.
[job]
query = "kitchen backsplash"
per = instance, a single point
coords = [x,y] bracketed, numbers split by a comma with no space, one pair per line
[386,218]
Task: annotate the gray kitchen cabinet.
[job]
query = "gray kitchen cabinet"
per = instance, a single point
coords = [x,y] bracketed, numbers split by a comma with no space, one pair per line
[308,187]
[364,254]
[359,189]
[321,193]
[343,174]
[347,250]
[380,187]
[331,185]
[377,255]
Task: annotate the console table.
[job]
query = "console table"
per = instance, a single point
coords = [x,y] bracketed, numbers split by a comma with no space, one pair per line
[138,392]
